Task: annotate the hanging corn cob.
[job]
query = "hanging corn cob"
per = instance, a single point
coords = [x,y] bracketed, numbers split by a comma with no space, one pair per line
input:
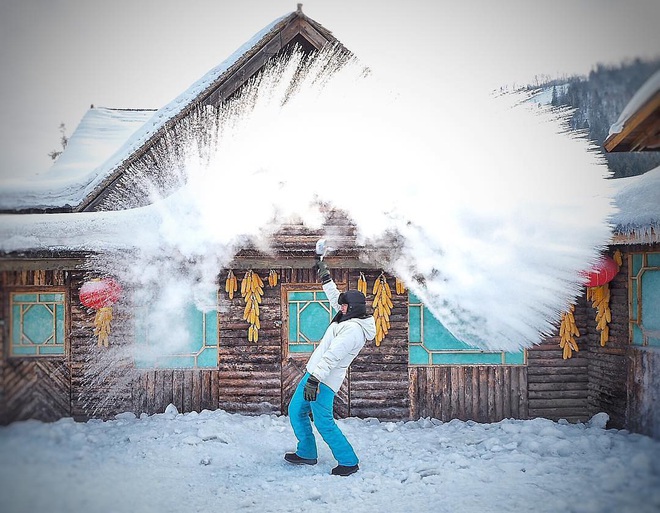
[231,284]
[567,333]
[399,286]
[382,306]
[272,278]
[252,292]
[362,284]
[600,300]
[618,258]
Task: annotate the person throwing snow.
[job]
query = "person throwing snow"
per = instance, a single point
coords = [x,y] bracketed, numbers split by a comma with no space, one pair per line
[326,371]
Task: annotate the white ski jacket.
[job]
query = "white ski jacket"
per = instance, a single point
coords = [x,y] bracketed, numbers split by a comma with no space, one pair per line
[340,344]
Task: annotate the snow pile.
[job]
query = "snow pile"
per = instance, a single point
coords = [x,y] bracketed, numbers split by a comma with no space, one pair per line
[487,209]
[638,202]
[171,462]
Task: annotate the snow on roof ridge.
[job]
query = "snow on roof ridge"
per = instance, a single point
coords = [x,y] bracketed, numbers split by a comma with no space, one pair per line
[38,194]
[643,95]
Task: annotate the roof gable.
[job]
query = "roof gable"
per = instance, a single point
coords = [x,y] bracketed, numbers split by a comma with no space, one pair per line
[638,126]
[214,88]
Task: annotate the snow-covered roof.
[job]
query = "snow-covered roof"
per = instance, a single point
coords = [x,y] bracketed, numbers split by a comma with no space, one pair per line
[640,98]
[638,126]
[637,199]
[99,135]
[89,161]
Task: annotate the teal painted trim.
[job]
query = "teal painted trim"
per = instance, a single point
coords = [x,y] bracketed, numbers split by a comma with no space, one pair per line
[176,362]
[637,336]
[309,317]
[633,304]
[650,287]
[301,348]
[414,324]
[514,358]
[430,343]
[302,296]
[51,298]
[637,262]
[37,324]
[653,259]
[201,351]
[57,350]
[466,358]
[417,355]
[208,358]
[24,298]
[24,351]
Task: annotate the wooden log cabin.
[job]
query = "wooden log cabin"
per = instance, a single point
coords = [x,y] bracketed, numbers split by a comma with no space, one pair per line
[47,341]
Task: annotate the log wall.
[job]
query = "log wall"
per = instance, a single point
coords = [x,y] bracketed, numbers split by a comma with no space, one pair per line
[607,364]
[254,378]
[558,388]
[378,376]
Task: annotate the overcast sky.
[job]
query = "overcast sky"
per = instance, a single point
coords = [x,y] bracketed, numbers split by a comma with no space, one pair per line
[59,56]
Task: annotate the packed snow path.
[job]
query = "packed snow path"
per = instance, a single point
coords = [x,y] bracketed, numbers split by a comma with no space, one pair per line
[215,461]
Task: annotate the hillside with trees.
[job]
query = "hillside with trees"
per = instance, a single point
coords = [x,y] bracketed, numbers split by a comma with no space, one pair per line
[598,100]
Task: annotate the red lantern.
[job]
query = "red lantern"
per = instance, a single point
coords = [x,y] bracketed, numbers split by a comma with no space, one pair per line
[603,272]
[101,294]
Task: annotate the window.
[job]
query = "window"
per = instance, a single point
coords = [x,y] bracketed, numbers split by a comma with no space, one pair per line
[309,316]
[36,323]
[430,343]
[189,342]
[644,299]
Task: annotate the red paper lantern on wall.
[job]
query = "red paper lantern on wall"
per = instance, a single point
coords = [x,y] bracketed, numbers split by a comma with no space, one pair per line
[603,272]
[101,294]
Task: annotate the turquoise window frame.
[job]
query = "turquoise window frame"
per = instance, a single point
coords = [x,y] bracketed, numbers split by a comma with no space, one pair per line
[37,323]
[308,316]
[644,298]
[202,350]
[430,343]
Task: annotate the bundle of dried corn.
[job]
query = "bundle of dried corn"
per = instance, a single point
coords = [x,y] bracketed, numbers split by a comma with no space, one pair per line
[231,284]
[567,333]
[600,300]
[362,284]
[382,306]
[252,291]
[273,277]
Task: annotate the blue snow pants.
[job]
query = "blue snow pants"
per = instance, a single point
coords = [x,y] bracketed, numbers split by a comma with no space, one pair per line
[323,420]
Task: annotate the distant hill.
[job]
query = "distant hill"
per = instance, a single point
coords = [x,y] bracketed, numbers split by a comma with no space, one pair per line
[598,100]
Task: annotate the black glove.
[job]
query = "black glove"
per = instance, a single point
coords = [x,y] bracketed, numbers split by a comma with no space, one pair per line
[323,272]
[311,389]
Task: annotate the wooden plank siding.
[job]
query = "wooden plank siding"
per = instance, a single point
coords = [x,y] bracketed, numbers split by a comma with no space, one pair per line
[482,393]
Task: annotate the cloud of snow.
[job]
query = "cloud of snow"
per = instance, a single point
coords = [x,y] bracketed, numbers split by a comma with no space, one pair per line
[485,206]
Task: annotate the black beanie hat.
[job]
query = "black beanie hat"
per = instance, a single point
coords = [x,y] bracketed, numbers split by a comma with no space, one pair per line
[357,305]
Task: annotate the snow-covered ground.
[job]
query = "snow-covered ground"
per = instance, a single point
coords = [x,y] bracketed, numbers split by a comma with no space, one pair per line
[216,461]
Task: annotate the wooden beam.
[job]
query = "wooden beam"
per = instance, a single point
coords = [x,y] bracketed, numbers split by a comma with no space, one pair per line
[40,264]
[642,124]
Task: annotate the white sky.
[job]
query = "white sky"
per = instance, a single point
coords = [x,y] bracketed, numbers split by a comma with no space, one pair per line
[58,57]
[213,461]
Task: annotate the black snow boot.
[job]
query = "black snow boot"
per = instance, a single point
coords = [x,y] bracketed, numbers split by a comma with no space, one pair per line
[292,457]
[342,470]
